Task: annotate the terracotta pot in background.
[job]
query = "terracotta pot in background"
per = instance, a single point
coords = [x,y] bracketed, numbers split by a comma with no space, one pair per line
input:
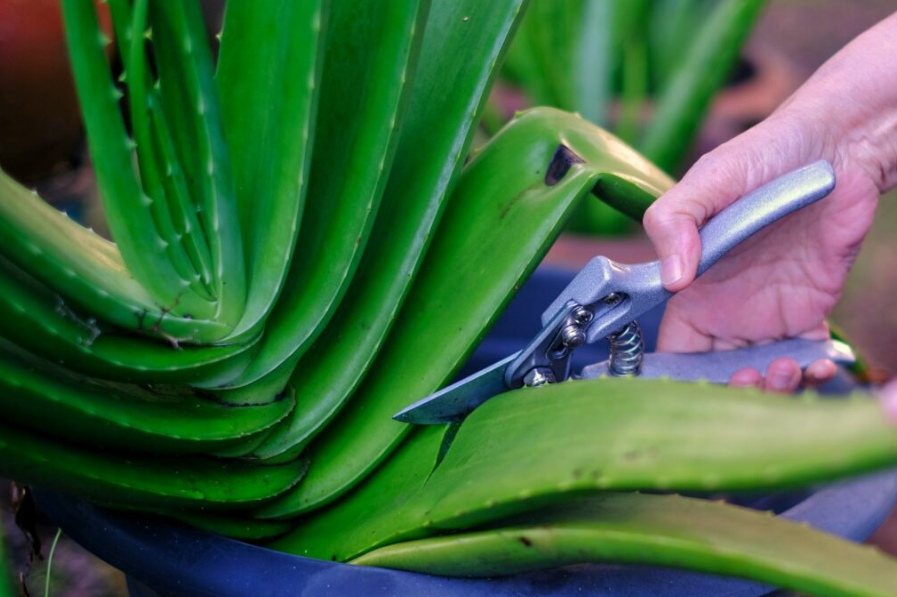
[40,122]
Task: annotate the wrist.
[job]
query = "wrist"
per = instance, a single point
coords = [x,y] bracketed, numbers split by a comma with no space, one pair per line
[850,104]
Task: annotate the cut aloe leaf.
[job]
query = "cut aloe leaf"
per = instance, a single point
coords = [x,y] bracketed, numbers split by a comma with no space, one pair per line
[608,435]
[511,203]
[658,530]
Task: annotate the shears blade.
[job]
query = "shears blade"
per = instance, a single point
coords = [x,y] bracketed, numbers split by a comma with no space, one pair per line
[454,402]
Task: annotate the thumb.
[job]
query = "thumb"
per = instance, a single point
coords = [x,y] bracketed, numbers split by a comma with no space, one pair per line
[672,222]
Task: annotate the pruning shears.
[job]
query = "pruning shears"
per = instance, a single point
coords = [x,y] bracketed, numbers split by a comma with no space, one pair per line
[605,299]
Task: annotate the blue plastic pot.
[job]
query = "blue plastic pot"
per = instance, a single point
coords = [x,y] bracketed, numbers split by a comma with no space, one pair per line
[164,559]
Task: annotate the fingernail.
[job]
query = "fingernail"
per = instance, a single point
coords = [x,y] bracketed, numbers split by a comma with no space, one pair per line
[889,401]
[671,270]
[779,380]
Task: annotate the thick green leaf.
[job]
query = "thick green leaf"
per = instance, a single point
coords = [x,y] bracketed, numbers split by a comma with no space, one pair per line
[155,147]
[230,524]
[189,97]
[462,44]
[139,482]
[47,325]
[85,269]
[49,399]
[128,211]
[660,530]
[268,78]
[682,106]
[534,447]
[371,52]
[501,220]
[144,108]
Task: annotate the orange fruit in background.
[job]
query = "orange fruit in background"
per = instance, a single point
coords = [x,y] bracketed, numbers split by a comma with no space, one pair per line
[40,121]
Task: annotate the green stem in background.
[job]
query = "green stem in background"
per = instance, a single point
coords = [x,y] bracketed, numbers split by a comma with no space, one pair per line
[702,72]
[592,60]
[635,88]
[50,562]
[6,583]
[665,530]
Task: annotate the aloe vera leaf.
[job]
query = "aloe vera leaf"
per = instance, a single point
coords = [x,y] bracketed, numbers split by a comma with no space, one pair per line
[661,530]
[181,208]
[592,61]
[139,481]
[47,325]
[143,108]
[189,96]
[229,524]
[672,29]
[371,53]
[85,269]
[501,220]
[531,448]
[38,395]
[127,208]
[462,44]
[681,107]
[268,78]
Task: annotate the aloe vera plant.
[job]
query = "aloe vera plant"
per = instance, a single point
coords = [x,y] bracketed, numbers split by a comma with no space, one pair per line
[301,250]
[648,69]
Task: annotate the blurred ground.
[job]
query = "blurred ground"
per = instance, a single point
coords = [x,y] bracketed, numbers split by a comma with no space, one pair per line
[797,35]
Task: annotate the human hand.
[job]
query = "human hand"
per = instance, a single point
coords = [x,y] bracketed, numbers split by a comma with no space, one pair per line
[785,280]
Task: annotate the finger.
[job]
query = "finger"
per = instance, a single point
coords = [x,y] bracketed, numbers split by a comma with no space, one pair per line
[673,220]
[819,372]
[783,376]
[889,401]
[746,377]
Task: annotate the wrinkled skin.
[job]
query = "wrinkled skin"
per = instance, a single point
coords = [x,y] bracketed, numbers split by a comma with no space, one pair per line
[784,282]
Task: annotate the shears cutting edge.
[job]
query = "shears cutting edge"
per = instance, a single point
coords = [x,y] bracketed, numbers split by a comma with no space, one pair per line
[605,299]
